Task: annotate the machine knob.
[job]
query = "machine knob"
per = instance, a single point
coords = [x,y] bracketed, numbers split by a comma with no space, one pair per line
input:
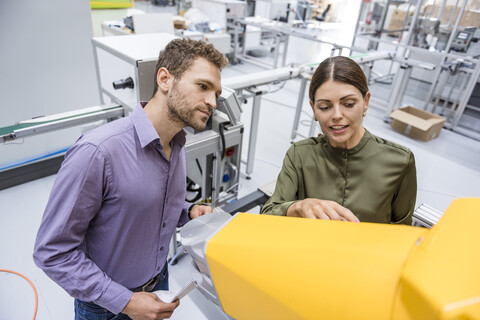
[124,83]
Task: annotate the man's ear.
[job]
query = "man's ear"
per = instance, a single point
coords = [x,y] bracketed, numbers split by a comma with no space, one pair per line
[164,80]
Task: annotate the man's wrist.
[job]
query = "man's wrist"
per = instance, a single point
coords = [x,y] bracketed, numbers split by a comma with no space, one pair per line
[189,210]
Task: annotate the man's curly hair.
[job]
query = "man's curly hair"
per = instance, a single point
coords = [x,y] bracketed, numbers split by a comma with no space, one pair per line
[179,55]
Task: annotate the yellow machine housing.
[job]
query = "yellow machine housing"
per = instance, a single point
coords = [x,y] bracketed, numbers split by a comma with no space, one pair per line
[270,267]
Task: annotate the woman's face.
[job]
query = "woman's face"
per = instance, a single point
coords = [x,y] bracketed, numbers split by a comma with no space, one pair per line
[339,109]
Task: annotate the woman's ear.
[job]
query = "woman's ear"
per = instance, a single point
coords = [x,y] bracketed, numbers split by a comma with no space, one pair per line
[313,110]
[367,101]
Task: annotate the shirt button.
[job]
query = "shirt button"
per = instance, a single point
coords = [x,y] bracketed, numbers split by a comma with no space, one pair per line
[164,224]
[161,248]
[158,268]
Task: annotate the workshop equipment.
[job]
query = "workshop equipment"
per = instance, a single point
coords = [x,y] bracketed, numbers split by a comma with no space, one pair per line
[296,268]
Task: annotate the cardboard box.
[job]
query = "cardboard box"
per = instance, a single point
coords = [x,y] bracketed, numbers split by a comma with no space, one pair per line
[417,123]
[470,17]
[396,21]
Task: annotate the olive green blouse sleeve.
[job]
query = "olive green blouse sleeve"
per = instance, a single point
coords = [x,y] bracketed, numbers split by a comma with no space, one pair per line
[286,187]
[403,203]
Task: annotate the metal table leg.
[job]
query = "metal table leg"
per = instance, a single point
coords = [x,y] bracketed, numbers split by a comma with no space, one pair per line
[313,126]
[174,250]
[277,49]
[285,49]
[252,140]
[298,111]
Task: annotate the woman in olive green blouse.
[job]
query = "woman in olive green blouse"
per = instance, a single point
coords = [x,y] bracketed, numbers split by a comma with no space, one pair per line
[347,173]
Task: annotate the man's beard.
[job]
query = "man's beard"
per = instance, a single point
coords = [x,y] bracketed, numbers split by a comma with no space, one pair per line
[180,113]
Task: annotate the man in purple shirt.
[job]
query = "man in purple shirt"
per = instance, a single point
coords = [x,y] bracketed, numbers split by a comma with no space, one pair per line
[120,193]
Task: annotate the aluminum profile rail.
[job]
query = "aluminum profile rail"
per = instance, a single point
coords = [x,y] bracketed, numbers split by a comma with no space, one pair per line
[426,216]
[59,121]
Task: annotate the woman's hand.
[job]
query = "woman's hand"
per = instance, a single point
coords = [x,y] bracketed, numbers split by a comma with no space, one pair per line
[321,209]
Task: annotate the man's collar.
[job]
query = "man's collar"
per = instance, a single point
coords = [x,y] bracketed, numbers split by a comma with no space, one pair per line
[146,131]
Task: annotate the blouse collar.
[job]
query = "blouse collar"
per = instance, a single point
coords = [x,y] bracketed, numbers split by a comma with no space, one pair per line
[366,136]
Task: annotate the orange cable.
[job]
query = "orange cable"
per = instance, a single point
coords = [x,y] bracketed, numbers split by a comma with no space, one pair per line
[31,283]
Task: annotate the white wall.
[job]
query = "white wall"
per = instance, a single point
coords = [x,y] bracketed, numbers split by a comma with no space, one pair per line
[46,67]
[344,11]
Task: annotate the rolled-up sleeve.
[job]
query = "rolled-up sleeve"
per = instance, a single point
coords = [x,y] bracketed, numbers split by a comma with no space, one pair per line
[74,201]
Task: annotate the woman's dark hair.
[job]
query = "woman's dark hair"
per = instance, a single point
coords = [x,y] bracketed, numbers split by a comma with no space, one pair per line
[340,69]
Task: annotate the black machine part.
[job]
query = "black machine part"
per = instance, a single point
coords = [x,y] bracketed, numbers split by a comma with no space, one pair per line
[123,83]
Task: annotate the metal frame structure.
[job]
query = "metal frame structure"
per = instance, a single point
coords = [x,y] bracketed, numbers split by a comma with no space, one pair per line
[205,145]
[250,84]
[456,74]
[45,124]
[282,31]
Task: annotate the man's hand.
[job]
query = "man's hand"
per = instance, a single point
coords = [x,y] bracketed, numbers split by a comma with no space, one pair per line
[320,209]
[200,210]
[147,306]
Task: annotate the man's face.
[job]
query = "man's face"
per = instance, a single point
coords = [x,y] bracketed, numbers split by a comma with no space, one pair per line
[193,97]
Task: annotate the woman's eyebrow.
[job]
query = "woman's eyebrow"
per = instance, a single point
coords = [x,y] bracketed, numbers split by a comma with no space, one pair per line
[342,98]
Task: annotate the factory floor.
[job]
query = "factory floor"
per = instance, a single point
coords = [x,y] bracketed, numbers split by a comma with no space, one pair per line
[447,168]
